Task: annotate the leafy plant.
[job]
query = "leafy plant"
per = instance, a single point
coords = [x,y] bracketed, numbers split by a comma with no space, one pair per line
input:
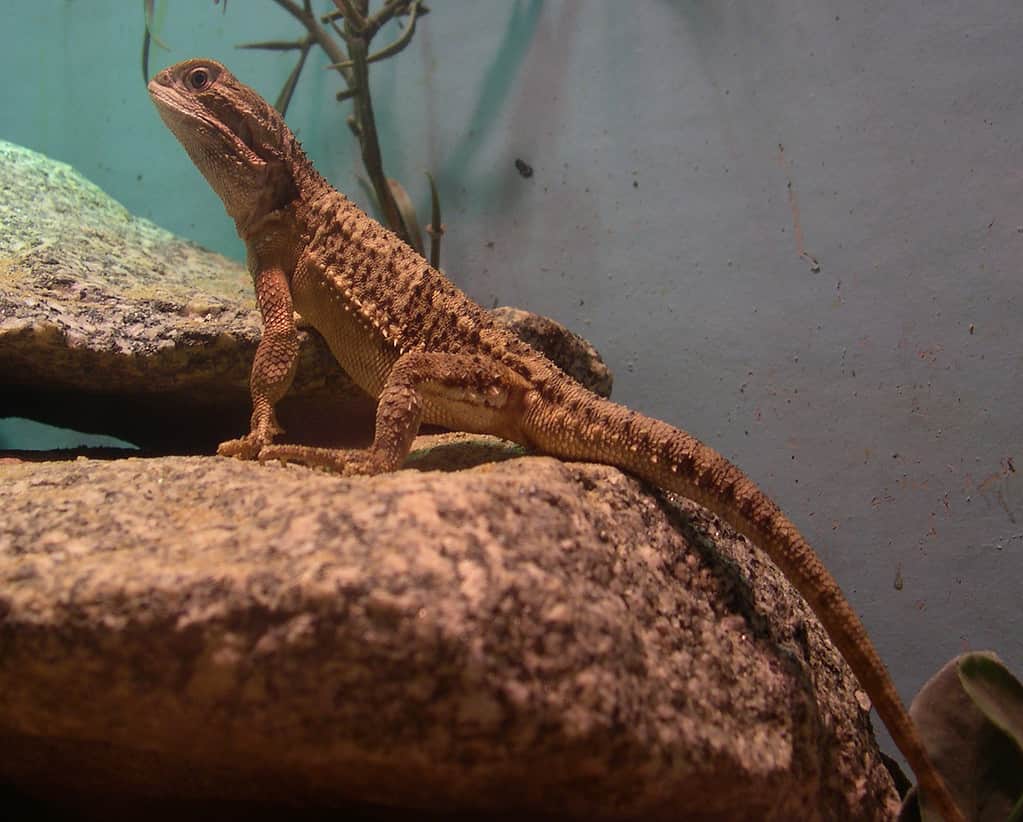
[346,35]
[970,718]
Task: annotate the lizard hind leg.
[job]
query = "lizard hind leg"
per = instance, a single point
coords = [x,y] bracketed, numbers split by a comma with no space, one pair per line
[462,392]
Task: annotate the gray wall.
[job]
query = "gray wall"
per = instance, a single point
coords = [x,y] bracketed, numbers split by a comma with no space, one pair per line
[878,399]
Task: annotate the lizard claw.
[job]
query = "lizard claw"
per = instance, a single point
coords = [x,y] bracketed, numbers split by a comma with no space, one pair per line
[243,448]
[269,453]
[347,463]
[361,464]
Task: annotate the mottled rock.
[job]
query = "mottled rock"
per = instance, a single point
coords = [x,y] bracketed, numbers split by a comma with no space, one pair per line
[522,637]
[109,324]
[573,353]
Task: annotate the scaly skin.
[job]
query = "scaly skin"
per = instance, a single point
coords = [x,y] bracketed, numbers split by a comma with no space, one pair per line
[410,338]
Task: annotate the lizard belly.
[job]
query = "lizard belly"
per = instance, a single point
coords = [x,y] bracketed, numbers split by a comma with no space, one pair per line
[359,349]
[466,408]
[469,417]
[367,356]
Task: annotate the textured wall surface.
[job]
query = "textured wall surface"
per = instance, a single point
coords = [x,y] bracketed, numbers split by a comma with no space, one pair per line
[685,154]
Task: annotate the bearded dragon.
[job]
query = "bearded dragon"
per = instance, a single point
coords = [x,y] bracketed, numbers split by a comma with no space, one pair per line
[429,354]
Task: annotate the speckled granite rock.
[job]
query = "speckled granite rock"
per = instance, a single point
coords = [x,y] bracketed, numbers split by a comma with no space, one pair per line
[570,351]
[111,325]
[521,637]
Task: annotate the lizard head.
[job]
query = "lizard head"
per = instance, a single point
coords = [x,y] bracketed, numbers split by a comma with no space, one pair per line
[235,138]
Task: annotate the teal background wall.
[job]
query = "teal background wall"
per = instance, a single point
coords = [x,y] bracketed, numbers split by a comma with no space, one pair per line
[877,399]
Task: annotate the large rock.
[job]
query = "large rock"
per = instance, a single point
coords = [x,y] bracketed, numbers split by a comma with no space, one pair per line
[111,325]
[520,637]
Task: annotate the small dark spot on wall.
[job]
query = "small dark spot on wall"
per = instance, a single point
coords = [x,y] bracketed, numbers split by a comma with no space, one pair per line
[525,169]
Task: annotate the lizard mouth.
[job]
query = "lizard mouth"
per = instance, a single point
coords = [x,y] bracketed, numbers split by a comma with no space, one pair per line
[183,119]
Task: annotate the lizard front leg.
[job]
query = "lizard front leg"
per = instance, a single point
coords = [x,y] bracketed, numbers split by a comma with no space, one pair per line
[464,392]
[273,367]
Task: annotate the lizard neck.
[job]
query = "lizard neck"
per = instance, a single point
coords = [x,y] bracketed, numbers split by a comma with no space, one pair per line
[273,241]
[292,184]
[310,186]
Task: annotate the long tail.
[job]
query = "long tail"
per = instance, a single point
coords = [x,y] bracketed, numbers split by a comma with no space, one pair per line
[581,426]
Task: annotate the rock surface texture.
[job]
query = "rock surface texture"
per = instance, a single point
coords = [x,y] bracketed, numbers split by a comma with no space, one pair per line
[523,636]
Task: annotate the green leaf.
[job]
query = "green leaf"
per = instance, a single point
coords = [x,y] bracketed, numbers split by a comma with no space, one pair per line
[284,98]
[370,192]
[407,213]
[996,692]
[1017,812]
[145,56]
[274,45]
[967,715]
[436,227]
[149,12]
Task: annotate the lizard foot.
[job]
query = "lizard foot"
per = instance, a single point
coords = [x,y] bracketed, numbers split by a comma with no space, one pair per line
[244,448]
[347,463]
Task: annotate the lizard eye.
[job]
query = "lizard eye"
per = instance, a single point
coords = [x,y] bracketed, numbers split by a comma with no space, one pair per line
[198,79]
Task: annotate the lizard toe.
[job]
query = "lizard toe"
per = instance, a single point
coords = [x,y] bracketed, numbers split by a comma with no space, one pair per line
[243,448]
